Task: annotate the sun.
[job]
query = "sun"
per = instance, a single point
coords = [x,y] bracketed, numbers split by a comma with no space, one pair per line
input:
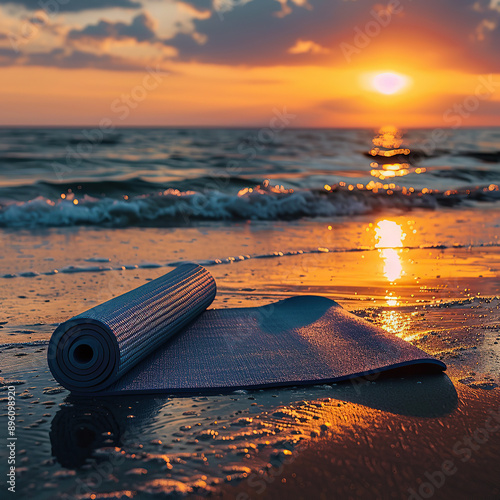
[389,83]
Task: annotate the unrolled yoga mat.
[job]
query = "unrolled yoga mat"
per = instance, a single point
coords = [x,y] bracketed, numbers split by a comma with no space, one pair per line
[160,338]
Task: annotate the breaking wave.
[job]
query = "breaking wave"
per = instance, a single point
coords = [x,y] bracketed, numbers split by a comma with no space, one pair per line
[173,207]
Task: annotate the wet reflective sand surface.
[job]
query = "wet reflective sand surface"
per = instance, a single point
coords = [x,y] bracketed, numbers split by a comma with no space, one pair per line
[426,277]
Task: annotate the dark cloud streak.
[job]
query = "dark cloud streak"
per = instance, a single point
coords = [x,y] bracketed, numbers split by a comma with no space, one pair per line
[141,29]
[51,6]
[70,59]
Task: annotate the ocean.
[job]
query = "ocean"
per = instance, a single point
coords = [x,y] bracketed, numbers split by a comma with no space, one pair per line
[172,177]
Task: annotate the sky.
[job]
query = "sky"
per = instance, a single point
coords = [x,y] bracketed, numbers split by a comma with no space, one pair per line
[323,63]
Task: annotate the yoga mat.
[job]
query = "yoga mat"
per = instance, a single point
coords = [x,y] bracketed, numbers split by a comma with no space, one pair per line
[296,341]
[94,349]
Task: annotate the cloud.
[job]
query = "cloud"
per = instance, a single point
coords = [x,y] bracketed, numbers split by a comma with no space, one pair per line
[483,29]
[204,4]
[199,12]
[307,46]
[62,58]
[141,29]
[53,6]
[266,32]
[7,56]
[456,34]
[257,33]
[286,6]
[495,5]
[71,59]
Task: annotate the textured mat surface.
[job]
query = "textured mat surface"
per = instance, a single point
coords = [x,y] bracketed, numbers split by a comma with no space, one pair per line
[94,349]
[158,339]
[301,340]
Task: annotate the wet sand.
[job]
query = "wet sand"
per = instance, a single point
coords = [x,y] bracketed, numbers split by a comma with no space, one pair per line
[436,287]
[388,260]
[383,454]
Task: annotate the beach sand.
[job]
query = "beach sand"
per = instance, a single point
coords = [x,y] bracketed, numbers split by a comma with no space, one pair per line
[424,276]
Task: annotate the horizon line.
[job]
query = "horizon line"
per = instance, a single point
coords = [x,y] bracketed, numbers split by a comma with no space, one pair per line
[236,127]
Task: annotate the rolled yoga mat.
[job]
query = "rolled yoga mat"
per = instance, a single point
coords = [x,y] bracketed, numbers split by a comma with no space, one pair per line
[96,348]
[159,338]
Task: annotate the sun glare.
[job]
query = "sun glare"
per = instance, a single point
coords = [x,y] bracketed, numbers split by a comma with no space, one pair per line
[390,234]
[389,83]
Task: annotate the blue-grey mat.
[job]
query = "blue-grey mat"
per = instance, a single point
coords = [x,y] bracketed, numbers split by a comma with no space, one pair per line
[96,348]
[296,341]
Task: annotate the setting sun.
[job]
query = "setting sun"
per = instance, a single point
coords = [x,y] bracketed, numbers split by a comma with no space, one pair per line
[389,83]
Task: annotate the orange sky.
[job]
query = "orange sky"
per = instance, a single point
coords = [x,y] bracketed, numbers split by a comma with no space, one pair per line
[85,66]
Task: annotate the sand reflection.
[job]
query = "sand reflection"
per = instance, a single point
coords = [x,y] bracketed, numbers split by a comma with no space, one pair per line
[390,237]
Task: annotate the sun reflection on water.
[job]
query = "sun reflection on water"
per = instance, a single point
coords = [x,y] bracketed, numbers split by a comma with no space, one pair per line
[390,237]
[398,324]
[390,159]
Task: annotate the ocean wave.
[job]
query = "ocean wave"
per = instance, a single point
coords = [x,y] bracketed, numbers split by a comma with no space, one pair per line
[117,188]
[173,207]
